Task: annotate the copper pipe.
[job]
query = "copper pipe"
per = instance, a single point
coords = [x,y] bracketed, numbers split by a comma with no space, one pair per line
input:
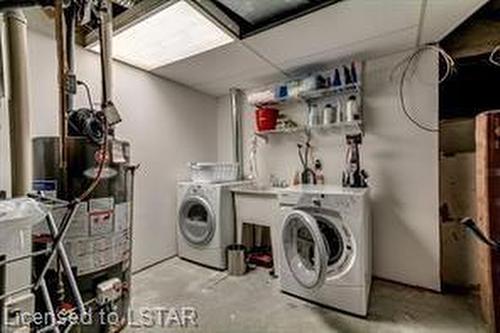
[61,76]
[70,24]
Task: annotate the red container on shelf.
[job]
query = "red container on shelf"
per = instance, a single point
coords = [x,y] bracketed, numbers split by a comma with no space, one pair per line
[266,118]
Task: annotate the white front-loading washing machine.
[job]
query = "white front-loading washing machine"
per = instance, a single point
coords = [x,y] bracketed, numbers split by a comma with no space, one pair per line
[205,223]
[325,238]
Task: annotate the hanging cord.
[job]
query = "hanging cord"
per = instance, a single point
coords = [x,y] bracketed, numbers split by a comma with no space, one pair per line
[493,56]
[89,95]
[450,68]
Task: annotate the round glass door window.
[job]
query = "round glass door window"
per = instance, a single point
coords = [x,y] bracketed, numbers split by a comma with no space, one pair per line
[304,249]
[196,221]
[339,244]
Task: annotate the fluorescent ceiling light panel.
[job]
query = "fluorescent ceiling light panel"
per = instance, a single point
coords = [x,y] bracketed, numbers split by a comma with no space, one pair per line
[179,31]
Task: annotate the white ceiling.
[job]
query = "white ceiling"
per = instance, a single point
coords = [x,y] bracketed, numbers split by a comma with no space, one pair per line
[362,29]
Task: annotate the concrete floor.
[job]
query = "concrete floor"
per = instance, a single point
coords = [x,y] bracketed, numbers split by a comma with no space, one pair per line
[254,303]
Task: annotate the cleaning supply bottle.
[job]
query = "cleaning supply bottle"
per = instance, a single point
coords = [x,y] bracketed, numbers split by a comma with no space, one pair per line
[318,170]
[252,160]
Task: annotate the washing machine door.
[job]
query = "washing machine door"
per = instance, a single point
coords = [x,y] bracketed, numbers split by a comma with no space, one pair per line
[339,242]
[304,249]
[196,220]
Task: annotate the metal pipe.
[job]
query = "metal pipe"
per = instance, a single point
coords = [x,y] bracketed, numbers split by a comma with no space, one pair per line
[236,114]
[65,223]
[105,42]
[65,263]
[131,169]
[19,113]
[16,291]
[61,76]
[106,37]
[49,306]
[3,280]
[4,262]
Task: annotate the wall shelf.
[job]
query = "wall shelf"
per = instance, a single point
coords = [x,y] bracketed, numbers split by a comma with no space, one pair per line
[307,96]
[344,128]
[339,88]
[329,92]
[266,134]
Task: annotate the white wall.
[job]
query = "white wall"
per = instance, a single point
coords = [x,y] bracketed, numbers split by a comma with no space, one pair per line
[167,124]
[402,162]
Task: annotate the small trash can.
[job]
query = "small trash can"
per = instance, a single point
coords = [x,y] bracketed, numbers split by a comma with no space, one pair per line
[236,263]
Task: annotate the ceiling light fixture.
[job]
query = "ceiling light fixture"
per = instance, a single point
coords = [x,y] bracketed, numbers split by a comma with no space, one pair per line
[176,32]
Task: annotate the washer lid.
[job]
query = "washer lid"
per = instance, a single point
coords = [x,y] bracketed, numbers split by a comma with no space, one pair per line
[196,220]
[304,249]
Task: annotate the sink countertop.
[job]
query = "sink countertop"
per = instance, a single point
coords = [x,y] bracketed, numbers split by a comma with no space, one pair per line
[256,190]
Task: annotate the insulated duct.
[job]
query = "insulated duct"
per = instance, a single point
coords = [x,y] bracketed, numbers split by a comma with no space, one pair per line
[236,120]
[106,39]
[18,103]
[106,33]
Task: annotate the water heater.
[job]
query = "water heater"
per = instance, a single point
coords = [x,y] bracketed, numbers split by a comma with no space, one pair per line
[98,241]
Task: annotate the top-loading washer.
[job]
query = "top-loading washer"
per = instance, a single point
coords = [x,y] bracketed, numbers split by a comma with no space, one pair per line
[205,223]
[325,238]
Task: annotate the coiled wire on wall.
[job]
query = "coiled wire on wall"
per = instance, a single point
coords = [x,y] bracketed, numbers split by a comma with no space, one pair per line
[494,57]
[407,65]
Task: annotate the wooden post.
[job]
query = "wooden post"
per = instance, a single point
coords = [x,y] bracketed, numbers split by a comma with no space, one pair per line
[488,212]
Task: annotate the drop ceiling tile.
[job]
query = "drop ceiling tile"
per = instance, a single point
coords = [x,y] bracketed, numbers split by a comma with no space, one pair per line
[337,26]
[442,17]
[227,63]
[248,81]
[363,50]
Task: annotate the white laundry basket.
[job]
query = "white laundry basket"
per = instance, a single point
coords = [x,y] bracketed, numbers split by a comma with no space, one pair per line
[213,172]
[17,217]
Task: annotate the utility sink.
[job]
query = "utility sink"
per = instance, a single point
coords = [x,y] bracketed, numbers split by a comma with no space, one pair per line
[257,205]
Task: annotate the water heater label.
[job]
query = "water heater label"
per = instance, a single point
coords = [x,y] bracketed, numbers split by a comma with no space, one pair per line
[101,223]
[80,224]
[122,216]
[101,204]
[101,213]
[96,253]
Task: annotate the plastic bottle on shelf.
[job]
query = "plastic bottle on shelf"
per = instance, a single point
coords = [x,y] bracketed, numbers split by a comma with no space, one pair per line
[331,113]
[314,116]
[352,109]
